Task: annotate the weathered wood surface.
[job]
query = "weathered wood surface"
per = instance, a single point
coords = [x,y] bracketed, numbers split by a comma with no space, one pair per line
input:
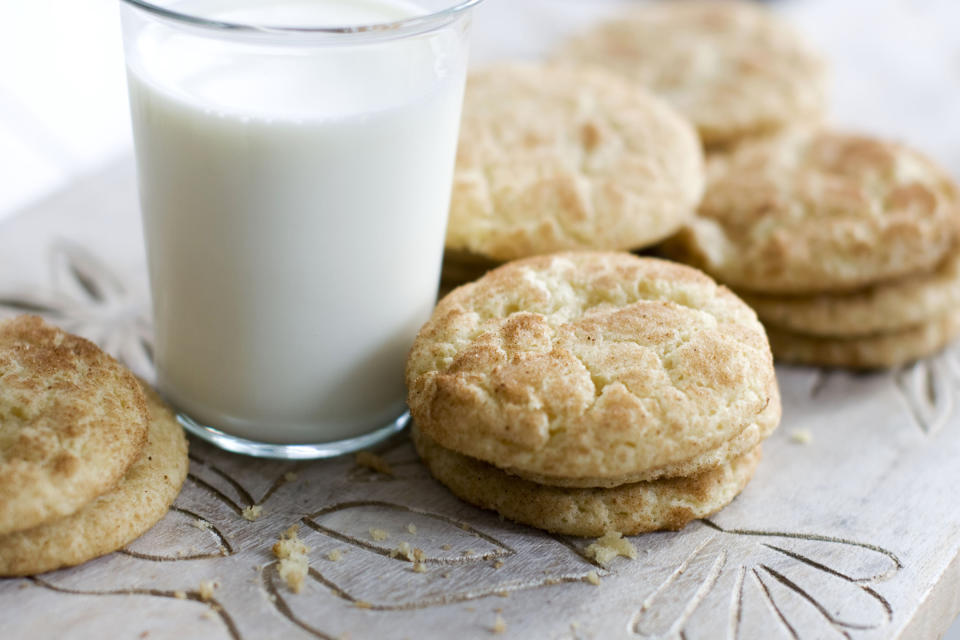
[856,534]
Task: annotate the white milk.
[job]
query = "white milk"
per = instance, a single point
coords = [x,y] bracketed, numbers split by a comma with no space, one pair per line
[294,203]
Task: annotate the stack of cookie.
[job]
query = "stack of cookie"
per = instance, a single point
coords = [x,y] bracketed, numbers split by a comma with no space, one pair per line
[561,157]
[846,246]
[578,155]
[732,68]
[591,392]
[88,462]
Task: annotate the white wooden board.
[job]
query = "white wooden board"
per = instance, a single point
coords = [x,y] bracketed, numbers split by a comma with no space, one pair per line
[856,534]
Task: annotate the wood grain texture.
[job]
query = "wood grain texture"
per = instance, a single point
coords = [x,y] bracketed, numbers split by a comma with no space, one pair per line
[853,535]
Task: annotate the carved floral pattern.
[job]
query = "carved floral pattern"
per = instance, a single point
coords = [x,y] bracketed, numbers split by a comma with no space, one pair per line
[929,388]
[88,298]
[723,582]
[769,580]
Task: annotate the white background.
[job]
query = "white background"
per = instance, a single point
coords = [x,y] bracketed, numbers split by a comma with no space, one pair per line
[63,109]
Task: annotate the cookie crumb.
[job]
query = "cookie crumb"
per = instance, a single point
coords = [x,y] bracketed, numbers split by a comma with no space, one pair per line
[335,555]
[290,476]
[419,567]
[294,563]
[252,512]
[203,525]
[206,589]
[180,595]
[412,529]
[362,604]
[403,550]
[609,546]
[372,461]
[498,564]
[419,555]
[379,535]
[801,436]
[499,624]
[593,578]
[446,547]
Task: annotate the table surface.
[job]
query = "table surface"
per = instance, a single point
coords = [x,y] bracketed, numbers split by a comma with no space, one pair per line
[855,534]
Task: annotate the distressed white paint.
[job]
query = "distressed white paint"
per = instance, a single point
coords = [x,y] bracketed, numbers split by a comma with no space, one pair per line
[870,501]
[856,533]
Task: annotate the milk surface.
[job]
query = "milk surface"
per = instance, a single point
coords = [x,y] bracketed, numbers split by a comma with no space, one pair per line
[294,204]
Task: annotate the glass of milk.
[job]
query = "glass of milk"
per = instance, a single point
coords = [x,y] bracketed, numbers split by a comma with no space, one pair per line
[295,161]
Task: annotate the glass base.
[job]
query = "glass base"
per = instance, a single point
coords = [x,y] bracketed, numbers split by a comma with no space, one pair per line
[315,451]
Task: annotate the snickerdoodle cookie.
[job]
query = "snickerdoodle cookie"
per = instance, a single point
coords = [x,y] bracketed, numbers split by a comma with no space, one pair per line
[593,370]
[72,421]
[668,503]
[558,157]
[875,351]
[115,518]
[732,68]
[887,306]
[817,211]
[845,245]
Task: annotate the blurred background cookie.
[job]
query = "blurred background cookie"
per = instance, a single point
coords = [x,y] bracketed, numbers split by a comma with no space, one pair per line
[874,351]
[72,421]
[886,306]
[845,245]
[559,157]
[732,68]
[593,370]
[814,211]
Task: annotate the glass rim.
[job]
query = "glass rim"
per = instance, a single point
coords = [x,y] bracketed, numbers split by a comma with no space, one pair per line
[407,26]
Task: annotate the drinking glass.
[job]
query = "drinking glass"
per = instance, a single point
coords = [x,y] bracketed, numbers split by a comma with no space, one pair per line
[294,161]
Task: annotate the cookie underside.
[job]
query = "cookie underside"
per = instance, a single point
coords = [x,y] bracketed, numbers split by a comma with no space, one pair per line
[886,307]
[882,350]
[629,509]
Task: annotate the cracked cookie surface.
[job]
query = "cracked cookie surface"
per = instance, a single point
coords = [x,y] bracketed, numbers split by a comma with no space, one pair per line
[559,157]
[115,518]
[594,368]
[813,211]
[732,68]
[72,420]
